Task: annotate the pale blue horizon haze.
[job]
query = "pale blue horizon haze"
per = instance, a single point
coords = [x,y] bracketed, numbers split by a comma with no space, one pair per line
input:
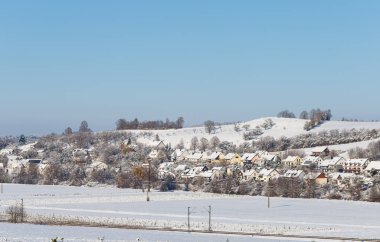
[62,62]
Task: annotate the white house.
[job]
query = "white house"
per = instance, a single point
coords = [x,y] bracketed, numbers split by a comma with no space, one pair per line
[373,168]
[179,155]
[265,174]
[355,165]
[195,156]
[294,174]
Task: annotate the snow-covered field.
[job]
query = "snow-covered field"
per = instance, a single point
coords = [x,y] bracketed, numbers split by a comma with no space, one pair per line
[229,213]
[283,127]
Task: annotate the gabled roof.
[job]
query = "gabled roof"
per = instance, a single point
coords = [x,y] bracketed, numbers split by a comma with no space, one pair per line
[230,156]
[291,158]
[180,168]
[360,162]
[249,156]
[293,173]
[373,165]
[195,156]
[249,172]
[313,159]
[268,157]
[213,155]
[178,152]
[315,175]
[266,172]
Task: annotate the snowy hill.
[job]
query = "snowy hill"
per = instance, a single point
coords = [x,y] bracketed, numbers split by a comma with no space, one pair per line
[283,127]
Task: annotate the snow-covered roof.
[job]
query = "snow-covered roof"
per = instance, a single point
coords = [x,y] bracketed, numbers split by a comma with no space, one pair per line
[373,165]
[180,168]
[360,162]
[178,152]
[313,159]
[266,172]
[195,156]
[249,156]
[249,172]
[293,173]
[291,158]
[213,156]
[336,175]
[268,157]
[230,156]
[313,175]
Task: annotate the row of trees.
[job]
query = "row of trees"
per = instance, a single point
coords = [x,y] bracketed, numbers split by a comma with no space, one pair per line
[322,138]
[314,114]
[316,117]
[123,124]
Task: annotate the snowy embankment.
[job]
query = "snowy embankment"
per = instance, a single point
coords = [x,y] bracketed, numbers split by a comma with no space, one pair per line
[229,213]
[283,127]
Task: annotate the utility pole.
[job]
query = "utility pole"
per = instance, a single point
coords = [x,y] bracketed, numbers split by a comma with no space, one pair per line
[209,218]
[188,219]
[147,192]
[22,210]
[269,190]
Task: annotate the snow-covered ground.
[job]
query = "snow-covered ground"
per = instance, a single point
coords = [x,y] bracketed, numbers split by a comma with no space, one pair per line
[229,213]
[283,127]
[38,233]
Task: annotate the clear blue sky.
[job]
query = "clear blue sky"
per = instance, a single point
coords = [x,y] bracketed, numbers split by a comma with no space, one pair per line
[62,62]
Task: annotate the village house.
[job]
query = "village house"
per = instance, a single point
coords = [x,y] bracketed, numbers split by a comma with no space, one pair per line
[320,151]
[372,169]
[233,159]
[332,165]
[339,179]
[311,161]
[250,175]
[267,174]
[195,157]
[292,161]
[250,158]
[319,177]
[165,168]
[179,155]
[271,160]
[157,155]
[209,175]
[193,172]
[294,174]
[214,157]
[355,166]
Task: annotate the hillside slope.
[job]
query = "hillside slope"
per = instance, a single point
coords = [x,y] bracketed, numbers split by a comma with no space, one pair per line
[283,127]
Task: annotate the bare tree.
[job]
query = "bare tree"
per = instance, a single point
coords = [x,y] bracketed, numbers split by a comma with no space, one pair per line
[214,142]
[286,114]
[84,127]
[304,115]
[179,123]
[194,143]
[210,126]
[203,144]
[68,131]
[181,144]
[121,124]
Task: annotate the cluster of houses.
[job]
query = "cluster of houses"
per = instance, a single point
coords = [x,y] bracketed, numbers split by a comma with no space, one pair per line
[263,166]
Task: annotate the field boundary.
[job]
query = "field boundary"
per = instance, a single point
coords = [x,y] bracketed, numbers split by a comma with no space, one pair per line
[55,221]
